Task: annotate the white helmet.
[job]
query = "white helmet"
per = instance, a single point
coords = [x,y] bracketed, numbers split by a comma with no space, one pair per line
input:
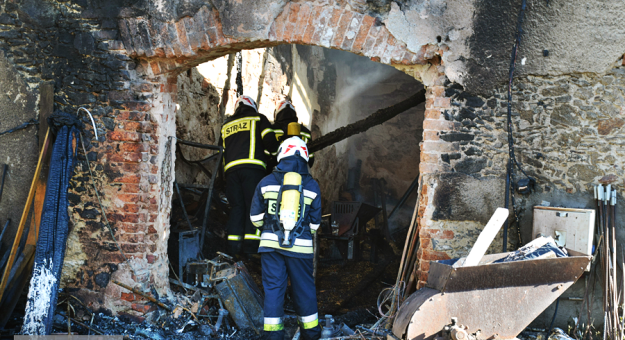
[290,146]
[283,105]
[245,100]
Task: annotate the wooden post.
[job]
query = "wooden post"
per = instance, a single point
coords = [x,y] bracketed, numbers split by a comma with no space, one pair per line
[376,118]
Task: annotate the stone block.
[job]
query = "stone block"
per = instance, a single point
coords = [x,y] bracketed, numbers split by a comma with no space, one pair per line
[183,39]
[363,33]
[130,297]
[606,126]
[130,218]
[352,31]
[192,35]
[343,25]
[428,168]
[438,146]
[431,135]
[128,178]
[437,124]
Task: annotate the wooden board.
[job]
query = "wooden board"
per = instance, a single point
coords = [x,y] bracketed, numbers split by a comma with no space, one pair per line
[25,213]
[486,237]
[578,224]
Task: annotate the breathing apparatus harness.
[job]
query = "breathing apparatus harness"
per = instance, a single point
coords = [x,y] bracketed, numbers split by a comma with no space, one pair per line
[286,221]
[286,238]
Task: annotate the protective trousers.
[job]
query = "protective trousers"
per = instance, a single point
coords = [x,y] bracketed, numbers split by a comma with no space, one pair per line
[240,186]
[276,267]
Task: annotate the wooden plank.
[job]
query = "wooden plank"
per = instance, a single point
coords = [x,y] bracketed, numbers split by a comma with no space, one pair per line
[486,237]
[561,209]
[376,118]
[20,228]
[46,108]
[40,195]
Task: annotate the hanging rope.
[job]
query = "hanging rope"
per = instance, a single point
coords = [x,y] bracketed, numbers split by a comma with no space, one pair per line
[239,57]
[21,126]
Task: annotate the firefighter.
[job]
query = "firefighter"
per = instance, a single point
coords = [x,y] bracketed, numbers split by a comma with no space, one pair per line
[285,115]
[287,206]
[244,136]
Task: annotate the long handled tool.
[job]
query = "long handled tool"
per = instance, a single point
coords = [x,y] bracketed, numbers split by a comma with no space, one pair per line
[20,228]
[606,250]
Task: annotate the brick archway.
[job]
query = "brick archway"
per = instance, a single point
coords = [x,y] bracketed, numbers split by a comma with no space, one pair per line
[198,38]
[138,143]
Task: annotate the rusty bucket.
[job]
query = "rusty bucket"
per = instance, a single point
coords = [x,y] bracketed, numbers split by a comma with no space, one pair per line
[494,300]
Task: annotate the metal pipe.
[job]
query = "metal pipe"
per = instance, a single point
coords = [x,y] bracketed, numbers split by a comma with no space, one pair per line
[506,205]
[184,210]
[222,313]
[6,226]
[403,199]
[4,172]
[210,197]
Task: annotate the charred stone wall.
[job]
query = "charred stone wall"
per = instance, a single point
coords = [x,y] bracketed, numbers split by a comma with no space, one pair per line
[18,104]
[567,135]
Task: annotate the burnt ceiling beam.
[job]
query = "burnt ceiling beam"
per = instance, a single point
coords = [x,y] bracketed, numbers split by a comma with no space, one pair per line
[376,118]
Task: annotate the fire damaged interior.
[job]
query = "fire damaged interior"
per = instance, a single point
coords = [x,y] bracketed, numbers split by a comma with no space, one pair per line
[468,156]
[357,238]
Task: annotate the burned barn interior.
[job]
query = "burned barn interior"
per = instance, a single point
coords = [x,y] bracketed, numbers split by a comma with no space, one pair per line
[357,244]
[468,154]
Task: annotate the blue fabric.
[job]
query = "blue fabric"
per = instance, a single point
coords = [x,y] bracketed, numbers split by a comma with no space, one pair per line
[276,268]
[293,164]
[53,230]
[312,213]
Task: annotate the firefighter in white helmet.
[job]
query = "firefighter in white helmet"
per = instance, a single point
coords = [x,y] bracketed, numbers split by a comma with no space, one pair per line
[287,206]
[245,136]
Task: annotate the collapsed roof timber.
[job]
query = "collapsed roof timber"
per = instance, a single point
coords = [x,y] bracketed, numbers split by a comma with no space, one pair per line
[132,65]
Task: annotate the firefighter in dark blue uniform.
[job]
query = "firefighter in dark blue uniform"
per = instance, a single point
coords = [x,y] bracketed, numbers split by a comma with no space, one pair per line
[286,247]
[244,136]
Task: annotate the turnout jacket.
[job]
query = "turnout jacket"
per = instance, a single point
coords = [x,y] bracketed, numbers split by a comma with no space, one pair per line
[264,203]
[280,128]
[245,136]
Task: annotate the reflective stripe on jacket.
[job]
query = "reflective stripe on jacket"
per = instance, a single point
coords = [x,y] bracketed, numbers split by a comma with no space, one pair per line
[263,210]
[245,136]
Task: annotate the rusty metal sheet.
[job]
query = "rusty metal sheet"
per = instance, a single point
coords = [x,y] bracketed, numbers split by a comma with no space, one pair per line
[499,300]
[515,274]
[438,275]
[409,307]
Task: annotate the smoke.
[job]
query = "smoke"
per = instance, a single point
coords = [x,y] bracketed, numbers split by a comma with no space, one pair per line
[359,75]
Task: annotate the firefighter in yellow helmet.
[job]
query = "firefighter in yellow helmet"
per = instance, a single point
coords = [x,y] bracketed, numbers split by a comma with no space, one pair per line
[285,115]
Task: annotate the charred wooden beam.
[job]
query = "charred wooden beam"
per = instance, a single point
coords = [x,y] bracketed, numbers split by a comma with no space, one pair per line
[376,118]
